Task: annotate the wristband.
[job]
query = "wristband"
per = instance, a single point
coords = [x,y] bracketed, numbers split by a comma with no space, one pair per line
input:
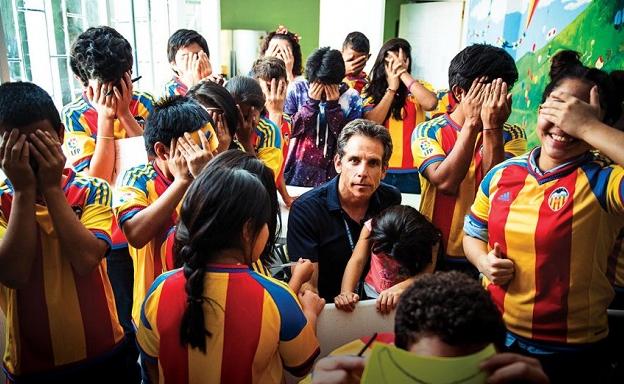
[409,87]
[492,129]
[106,137]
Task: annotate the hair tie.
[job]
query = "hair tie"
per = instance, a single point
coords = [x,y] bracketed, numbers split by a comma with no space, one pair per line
[282,30]
[195,300]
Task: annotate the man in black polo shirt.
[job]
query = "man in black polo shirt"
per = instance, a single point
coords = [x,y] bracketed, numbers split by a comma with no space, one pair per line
[324,224]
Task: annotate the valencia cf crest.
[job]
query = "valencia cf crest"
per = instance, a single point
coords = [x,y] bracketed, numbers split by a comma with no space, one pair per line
[558,198]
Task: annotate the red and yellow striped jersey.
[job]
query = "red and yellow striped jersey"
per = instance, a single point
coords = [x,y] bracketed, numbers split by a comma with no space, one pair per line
[401,132]
[558,227]
[175,87]
[357,82]
[61,318]
[268,145]
[256,325]
[432,142]
[141,187]
[81,125]
[615,270]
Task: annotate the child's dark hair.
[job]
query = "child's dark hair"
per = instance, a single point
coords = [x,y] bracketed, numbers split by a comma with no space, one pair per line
[217,206]
[268,67]
[357,41]
[171,118]
[100,53]
[22,104]
[404,234]
[237,159]
[567,65]
[326,66]
[294,45]
[213,95]
[451,306]
[183,38]
[481,60]
[378,82]
[246,90]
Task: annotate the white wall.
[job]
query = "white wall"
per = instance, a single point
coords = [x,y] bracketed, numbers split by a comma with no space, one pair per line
[435,32]
[338,18]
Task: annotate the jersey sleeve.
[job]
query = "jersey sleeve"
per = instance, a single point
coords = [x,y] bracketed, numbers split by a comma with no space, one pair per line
[615,190]
[269,145]
[515,141]
[131,196]
[272,158]
[97,215]
[426,146]
[78,143]
[147,334]
[298,345]
[367,104]
[476,221]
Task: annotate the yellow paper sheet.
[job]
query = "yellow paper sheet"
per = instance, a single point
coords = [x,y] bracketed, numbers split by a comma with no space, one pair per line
[390,365]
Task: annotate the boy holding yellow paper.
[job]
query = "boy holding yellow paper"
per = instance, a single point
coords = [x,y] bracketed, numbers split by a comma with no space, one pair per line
[446,330]
[180,140]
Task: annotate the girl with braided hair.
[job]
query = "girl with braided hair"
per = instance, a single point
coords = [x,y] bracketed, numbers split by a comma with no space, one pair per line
[214,319]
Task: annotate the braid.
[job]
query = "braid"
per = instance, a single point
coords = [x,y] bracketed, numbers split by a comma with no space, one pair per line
[192,330]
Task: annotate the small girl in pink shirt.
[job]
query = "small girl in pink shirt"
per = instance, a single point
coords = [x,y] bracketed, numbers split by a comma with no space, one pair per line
[400,243]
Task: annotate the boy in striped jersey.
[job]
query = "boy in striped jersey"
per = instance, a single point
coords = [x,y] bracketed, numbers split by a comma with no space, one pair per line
[454,151]
[107,110]
[180,138]
[55,230]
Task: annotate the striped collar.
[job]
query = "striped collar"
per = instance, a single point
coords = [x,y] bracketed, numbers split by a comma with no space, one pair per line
[451,122]
[230,268]
[556,172]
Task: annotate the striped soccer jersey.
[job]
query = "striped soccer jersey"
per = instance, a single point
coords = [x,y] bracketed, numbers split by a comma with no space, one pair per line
[61,318]
[558,227]
[432,141]
[256,325]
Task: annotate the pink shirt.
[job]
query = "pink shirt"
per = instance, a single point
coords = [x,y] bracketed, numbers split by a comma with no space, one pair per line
[384,271]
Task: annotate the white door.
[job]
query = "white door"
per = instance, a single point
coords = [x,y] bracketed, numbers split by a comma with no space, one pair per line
[434,31]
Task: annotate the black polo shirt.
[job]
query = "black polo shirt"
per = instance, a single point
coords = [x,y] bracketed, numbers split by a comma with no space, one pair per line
[317,230]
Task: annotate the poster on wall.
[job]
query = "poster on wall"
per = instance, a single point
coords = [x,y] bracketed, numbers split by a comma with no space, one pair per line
[532,31]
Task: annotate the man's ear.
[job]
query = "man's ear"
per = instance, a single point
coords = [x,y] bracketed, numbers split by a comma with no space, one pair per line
[384,170]
[161,151]
[338,163]
[458,92]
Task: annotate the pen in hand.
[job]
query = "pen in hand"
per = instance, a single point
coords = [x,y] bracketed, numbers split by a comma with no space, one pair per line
[132,81]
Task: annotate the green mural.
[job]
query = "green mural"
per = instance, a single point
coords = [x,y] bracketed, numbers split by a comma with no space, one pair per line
[593,34]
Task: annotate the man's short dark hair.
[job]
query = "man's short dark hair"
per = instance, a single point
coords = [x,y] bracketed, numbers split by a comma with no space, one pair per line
[366,128]
[100,53]
[268,67]
[325,65]
[481,60]
[22,104]
[357,41]
[451,306]
[171,118]
[183,38]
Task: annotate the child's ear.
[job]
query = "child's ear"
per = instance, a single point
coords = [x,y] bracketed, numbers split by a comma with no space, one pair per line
[161,150]
[458,93]
[61,133]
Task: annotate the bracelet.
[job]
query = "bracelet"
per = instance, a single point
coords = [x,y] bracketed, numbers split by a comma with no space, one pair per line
[106,137]
[492,129]
[409,87]
[391,90]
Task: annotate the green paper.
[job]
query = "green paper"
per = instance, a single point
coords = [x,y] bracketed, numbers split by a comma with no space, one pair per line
[391,365]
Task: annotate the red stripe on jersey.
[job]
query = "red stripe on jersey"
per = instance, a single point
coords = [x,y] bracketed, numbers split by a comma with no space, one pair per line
[444,205]
[409,123]
[96,318]
[241,330]
[36,353]
[552,263]
[91,116]
[511,182]
[478,161]
[613,258]
[173,355]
